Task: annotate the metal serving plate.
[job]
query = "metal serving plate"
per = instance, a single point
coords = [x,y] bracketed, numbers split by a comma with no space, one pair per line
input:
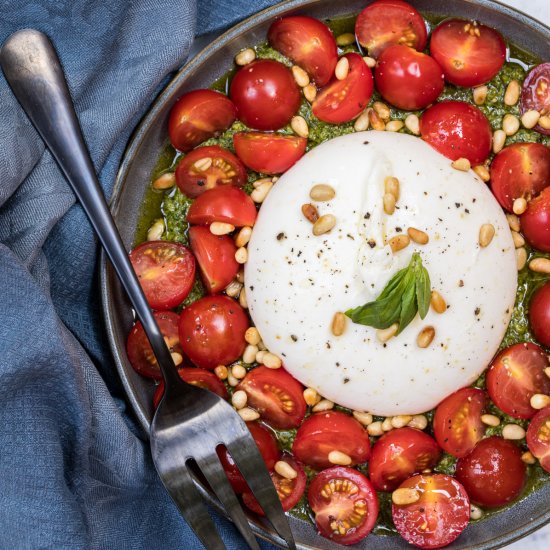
[134,177]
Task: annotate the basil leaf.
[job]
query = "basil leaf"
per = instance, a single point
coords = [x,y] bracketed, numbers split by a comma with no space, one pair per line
[408,303]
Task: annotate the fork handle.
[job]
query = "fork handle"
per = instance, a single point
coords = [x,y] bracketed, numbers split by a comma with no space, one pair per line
[33,71]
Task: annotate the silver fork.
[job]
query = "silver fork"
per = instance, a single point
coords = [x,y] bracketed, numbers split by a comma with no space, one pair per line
[190,422]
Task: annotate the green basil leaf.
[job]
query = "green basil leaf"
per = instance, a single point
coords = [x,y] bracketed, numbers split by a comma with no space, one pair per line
[408,303]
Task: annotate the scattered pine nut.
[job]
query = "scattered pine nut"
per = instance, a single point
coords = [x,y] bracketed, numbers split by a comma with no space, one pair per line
[221,372]
[519,206]
[513,222]
[363,418]
[231,380]
[510,124]
[382,110]
[401,420]
[544,122]
[511,95]
[438,302]
[322,192]
[518,239]
[166,181]
[540,265]
[375,121]
[241,256]
[284,469]
[528,458]
[482,172]
[299,126]
[260,193]
[252,336]
[342,68]
[490,420]
[248,414]
[339,458]
[530,119]
[310,212]
[418,421]
[177,358]
[242,299]
[261,181]
[238,371]
[412,122]
[233,289]
[389,203]
[239,399]
[461,164]
[311,397]
[475,512]
[499,138]
[245,57]
[480,95]
[425,337]
[203,164]
[399,242]
[404,496]
[370,61]
[386,333]
[391,185]
[362,122]
[375,428]
[324,224]
[346,39]
[221,228]
[260,356]
[540,401]
[323,405]
[418,236]
[338,326]
[521,257]
[387,426]
[394,125]
[310,92]
[300,76]
[249,354]
[513,431]
[486,234]
[243,236]
[156,230]
[271,361]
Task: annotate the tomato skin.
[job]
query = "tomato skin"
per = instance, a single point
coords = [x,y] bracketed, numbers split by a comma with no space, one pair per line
[539,314]
[538,437]
[457,129]
[212,331]
[457,421]
[515,375]
[308,42]
[493,474]
[342,100]
[329,431]
[269,153]
[399,454]
[535,221]
[199,115]
[408,79]
[265,94]
[387,22]
[535,94]
[339,505]
[466,58]
[438,518]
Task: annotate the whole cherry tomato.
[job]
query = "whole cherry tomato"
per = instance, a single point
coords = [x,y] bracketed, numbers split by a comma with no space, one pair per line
[539,314]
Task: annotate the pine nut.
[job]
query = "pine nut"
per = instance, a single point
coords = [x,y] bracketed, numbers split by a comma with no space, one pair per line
[242,299]
[391,185]
[311,397]
[404,496]
[233,289]
[241,256]
[166,181]
[239,399]
[221,228]
[540,265]
[363,418]
[540,401]
[245,57]
[547,369]
[513,222]
[499,138]
[338,326]
[243,236]
[418,421]
[177,358]
[310,92]
[486,234]
[521,257]
[203,164]
[382,110]
[387,426]
[401,420]
[519,206]
[389,203]
[530,119]
[248,414]
[249,354]
[252,336]
[482,172]
[300,76]
[370,61]
[339,458]
[438,302]
[221,372]
[425,337]
[260,356]
[299,126]
[518,239]
[231,380]
[399,242]
[322,192]
[385,334]
[261,181]
[271,361]
[260,193]
[375,121]
[461,164]
[342,68]
[362,122]
[412,122]
[394,125]
[346,39]
[156,230]
[418,236]
[510,124]
[284,469]
[480,95]
[544,122]
[324,224]
[528,458]
[238,371]
[240,275]
[511,95]
[310,212]
[513,431]
[475,512]
[323,405]
[375,428]
[490,420]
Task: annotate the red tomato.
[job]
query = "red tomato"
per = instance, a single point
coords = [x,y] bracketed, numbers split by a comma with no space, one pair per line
[539,314]
[197,116]
[457,129]
[344,503]
[388,22]
[493,474]
[208,167]
[520,170]
[457,421]
[399,454]
[216,257]
[538,437]
[535,221]
[515,375]
[535,93]
[307,42]
[469,53]
[140,353]
[269,153]
[342,100]
[212,331]
[166,272]
[290,491]
[408,79]
[438,517]
[276,395]
[265,94]
[329,431]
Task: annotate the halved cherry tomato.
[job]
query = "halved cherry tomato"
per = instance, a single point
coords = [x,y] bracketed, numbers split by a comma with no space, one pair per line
[535,221]
[438,517]
[493,474]
[342,100]
[276,395]
[520,170]
[535,94]
[399,454]
[140,353]
[387,22]
[539,314]
[344,503]
[469,53]
[457,421]
[290,491]
[208,167]
[269,153]
[515,375]
[538,437]
[166,272]
[329,431]
[216,257]
[265,94]
[199,115]
[223,204]
[457,129]
[408,79]
[307,42]
[212,331]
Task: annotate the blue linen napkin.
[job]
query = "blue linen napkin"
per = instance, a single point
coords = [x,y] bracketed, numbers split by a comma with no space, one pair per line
[75,471]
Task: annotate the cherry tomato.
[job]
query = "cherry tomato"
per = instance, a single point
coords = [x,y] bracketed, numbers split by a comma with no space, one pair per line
[399,454]
[535,221]
[344,503]
[265,94]
[387,22]
[140,353]
[457,421]
[269,153]
[166,272]
[469,53]
[208,167]
[216,257]
[307,42]
[493,474]
[212,331]
[290,491]
[520,170]
[329,431]
[538,437]
[539,314]
[457,129]
[342,100]
[515,375]
[535,94]
[408,79]
[438,517]
[276,395]
[197,116]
